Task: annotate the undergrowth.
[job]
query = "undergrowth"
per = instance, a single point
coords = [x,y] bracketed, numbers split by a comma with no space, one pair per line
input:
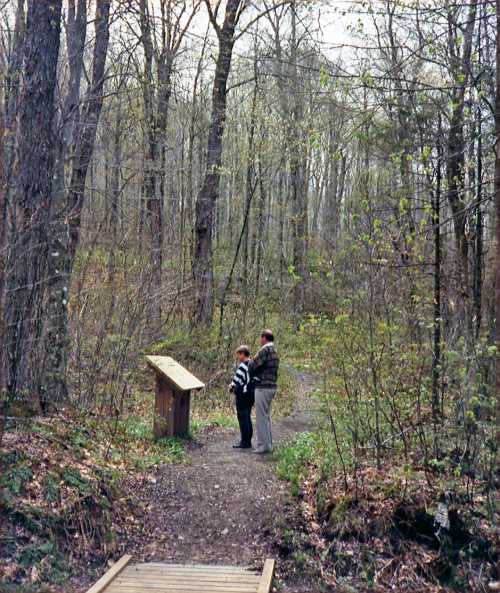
[67,493]
[386,500]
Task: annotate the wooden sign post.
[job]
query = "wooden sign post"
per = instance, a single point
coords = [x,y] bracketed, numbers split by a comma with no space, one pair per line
[173,393]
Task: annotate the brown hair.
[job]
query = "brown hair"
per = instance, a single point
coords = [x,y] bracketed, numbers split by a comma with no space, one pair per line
[243,349]
[268,334]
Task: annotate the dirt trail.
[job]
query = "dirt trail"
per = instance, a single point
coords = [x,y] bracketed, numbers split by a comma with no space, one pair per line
[220,508]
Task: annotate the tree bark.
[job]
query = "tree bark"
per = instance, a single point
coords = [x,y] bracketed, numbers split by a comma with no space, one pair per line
[330,210]
[250,175]
[260,229]
[299,191]
[497,216]
[436,357]
[479,232]
[63,251]
[31,203]
[154,203]
[12,85]
[460,69]
[206,199]
[3,257]
[75,41]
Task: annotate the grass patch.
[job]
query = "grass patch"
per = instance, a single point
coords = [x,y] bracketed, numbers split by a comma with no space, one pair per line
[294,458]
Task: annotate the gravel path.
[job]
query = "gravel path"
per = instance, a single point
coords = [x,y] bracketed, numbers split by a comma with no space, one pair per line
[220,508]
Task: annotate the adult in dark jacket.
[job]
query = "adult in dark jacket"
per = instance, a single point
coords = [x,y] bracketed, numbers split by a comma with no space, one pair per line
[264,367]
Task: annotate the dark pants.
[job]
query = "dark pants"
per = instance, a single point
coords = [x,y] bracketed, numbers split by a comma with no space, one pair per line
[244,403]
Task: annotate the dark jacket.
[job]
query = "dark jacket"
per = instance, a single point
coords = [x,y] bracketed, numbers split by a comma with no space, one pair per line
[264,366]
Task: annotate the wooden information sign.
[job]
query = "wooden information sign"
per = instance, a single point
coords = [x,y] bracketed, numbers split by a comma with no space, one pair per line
[173,392]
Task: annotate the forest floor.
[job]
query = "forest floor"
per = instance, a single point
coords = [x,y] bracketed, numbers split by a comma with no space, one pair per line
[70,502]
[221,507]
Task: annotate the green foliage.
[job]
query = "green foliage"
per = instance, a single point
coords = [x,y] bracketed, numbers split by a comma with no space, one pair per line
[16,474]
[74,478]
[294,458]
[46,559]
[166,450]
[51,487]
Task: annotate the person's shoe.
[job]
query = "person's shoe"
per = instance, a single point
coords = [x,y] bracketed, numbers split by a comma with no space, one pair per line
[241,446]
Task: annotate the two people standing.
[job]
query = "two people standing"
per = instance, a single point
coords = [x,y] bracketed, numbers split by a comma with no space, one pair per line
[255,381]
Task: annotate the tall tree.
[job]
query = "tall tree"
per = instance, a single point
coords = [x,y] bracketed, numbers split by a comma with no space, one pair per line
[460,42]
[206,199]
[62,257]
[175,19]
[12,83]
[30,202]
[497,215]
[3,248]
[297,149]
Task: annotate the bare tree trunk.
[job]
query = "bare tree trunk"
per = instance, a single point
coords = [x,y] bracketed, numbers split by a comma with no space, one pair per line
[12,86]
[88,127]
[340,190]
[3,257]
[190,157]
[154,204]
[460,68]
[75,41]
[281,226]
[436,357]
[275,19]
[209,192]
[31,204]
[497,216]
[115,190]
[478,250]
[260,229]
[249,189]
[299,194]
[62,258]
[331,207]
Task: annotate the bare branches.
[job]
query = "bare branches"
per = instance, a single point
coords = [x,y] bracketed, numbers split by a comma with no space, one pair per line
[212,14]
[274,7]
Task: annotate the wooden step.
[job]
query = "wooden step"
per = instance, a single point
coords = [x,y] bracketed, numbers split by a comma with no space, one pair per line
[157,577]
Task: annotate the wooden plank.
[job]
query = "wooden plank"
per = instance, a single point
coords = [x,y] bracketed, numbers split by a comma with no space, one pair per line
[190,576]
[267,576]
[166,583]
[194,568]
[180,377]
[116,587]
[181,412]
[179,584]
[107,577]
[223,567]
[190,572]
[239,580]
[199,587]
[166,577]
[163,424]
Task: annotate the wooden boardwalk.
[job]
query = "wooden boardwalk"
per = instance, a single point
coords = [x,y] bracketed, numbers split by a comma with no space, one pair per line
[156,577]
